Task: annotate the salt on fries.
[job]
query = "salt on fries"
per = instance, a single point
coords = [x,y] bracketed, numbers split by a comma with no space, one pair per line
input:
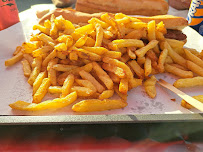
[109,55]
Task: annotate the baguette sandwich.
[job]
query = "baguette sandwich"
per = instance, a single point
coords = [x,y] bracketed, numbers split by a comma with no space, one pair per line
[129,7]
[173,24]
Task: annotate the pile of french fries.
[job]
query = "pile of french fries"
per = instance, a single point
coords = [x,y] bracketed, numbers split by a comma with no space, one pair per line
[90,62]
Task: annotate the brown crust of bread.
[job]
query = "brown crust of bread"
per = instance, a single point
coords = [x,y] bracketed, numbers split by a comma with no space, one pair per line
[129,7]
[171,22]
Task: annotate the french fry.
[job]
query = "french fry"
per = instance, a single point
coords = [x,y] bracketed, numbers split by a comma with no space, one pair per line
[96,20]
[178,72]
[121,95]
[193,58]
[88,55]
[175,56]
[133,83]
[162,59]
[38,81]
[73,56]
[147,67]
[17,50]
[14,59]
[194,68]
[116,70]
[131,54]
[99,35]
[55,89]
[125,58]
[112,54]
[120,64]
[82,91]
[26,68]
[168,60]
[123,86]
[87,84]
[96,50]
[87,29]
[46,39]
[61,47]
[62,77]
[136,25]
[49,104]
[179,66]
[114,77]
[52,71]
[87,76]
[176,45]
[106,94]
[36,70]
[136,68]
[142,51]
[136,34]
[150,88]
[128,43]
[81,41]
[67,85]
[141,60]
[188,82]
[62,67]
[98,105]
[51,56]
[29,58]
[41,91]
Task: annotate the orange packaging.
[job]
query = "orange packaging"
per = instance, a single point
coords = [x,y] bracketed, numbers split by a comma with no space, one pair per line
[195,15]
[8,13]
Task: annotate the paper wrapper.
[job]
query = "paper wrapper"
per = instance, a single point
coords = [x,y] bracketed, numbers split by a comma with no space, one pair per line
[14,86]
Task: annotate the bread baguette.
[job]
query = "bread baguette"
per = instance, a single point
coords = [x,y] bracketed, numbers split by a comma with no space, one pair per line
[129,7]
[171,22]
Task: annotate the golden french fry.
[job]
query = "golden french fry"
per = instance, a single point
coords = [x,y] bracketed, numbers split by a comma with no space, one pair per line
[82,91]
[136,68]
[125,58]
[114,77]
[89,42]
[66,88]
[142,51]
[194,68]
[131,54]
[26,68]
[96,50]
[106,94]
[29,58]
[123,86]
[87,84]
[116,70]
[41,91]
[52,71]
[63,67]
[128,43]
[179,66]
[151,30]
[73,56]
[98,105]
[187,105]
[193,58]
[81,41]
[46,39]
[113,54]
[120,64]
[188,82]
[175,56]
[141,60]
[150,88]
[168,60]
[94,21]
[38,81]
[14,59]
[75,71]
[49,104]
[87,76]
[133,83]
[147,67]
[136,25]
[61,47]
[87,29]
[136,34]
[88,55]
[103,76]
[55,89]
[176,45]
[36,65]
[162,59]
[41,51]
[99,35]
[121,95]
[178,72]
[51,56]
[17,50]
[107,34]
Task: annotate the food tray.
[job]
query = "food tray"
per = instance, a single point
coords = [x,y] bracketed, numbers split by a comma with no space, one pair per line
[140,107]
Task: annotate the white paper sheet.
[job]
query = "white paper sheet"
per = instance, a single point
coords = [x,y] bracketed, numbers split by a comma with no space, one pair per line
[14,86]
